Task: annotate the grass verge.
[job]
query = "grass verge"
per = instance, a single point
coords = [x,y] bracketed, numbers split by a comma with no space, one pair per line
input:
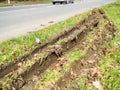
[23,2]
[3,4]
[11,49]
[110,66]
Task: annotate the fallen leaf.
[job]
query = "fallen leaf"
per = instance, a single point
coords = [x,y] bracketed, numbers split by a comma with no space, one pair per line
[62,61]
[109,25]
[91,40]
[98,33]
[15,59]
[73,75]
[98,85]
[48,84]
[54,67]
[94,72]
[13,88]
[91,61]
[94,47]
[2,50]
[57,88]
[95,55]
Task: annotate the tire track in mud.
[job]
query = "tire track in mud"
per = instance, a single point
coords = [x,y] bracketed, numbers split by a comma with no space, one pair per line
[70,39]
[88,65]
[5,69]
[59,61]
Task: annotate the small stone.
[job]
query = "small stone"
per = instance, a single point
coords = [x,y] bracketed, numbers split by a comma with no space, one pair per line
[38,41]
[19,64]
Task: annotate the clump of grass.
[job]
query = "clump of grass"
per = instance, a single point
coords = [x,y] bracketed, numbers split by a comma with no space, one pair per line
[11,49]
[78,84]
[66,67]
[50,77]
[110,74]
[76,55]
[7,83]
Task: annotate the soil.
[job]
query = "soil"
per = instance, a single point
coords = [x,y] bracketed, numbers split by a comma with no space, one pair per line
[70,39]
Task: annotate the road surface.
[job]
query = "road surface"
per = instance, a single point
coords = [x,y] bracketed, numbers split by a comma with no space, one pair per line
[18,20]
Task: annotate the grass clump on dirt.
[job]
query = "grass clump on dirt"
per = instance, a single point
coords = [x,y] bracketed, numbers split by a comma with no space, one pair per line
[11,49]
[50,77]
[79,84]
[76,55]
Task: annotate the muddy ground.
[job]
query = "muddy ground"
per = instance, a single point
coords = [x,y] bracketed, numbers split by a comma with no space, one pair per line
[27,72]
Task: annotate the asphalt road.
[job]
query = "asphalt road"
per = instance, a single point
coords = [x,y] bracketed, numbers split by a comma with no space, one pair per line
[18,20]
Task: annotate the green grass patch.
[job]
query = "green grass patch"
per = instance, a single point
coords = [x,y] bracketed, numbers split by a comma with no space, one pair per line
[110,74]
[76,55]
[111,63]
[113,12]
[66,67]
[11,49]
[6,83]
[50,77]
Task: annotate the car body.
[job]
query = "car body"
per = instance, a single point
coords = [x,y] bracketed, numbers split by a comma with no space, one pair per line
[62,1]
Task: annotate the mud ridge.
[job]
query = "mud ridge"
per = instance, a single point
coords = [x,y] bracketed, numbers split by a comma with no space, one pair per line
[70,39]
[82,67]
[11,66]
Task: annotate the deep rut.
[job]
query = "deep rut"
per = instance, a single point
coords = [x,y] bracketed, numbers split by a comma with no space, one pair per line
[69,39]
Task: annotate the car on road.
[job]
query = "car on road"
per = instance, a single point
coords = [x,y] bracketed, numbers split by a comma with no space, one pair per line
[62,1]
